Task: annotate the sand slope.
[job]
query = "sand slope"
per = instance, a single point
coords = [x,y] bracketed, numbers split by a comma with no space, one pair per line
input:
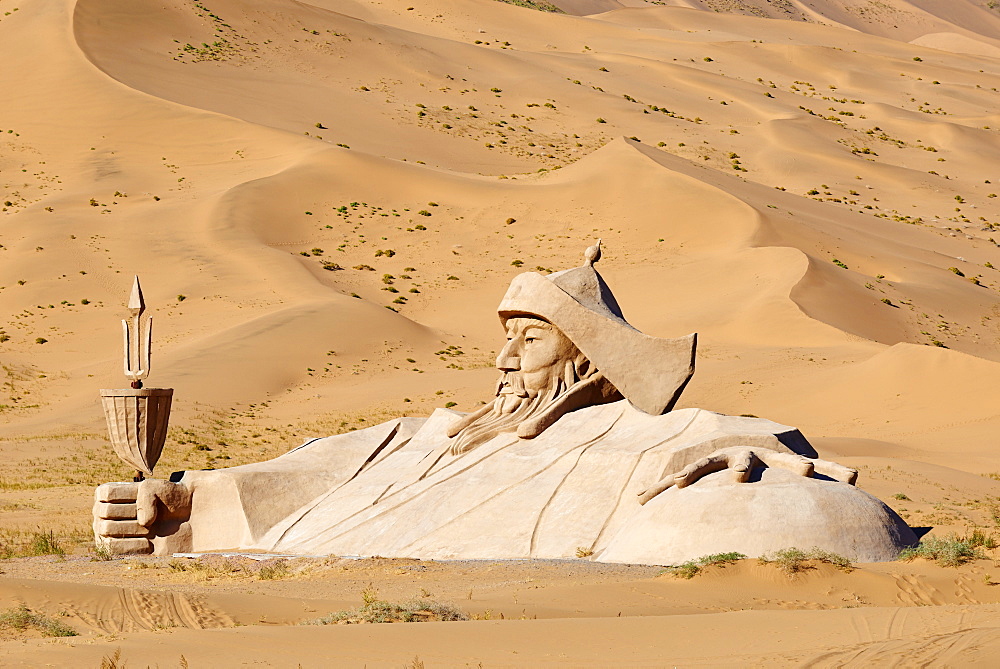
[823,616]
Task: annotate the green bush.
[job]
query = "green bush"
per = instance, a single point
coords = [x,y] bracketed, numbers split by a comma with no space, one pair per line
[793,560]
[21,618]
[951,551]
[37,543]
[375,610]
[691,568]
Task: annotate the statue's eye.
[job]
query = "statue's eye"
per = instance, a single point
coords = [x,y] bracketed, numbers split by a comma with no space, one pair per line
[528,340]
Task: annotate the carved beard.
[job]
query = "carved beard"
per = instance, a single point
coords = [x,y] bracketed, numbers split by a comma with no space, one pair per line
[513,405]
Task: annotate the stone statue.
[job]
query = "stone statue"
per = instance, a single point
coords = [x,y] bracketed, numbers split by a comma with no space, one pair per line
[580,453]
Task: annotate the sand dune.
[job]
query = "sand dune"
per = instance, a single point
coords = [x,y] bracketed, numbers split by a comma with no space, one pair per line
[560,615]
[810,186]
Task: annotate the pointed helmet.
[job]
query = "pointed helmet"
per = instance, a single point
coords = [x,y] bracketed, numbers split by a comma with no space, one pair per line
[650,372]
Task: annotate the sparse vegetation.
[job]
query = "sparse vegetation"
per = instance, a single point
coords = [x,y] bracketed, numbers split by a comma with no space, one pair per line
[375,610]
[273,571]
[953,550]
[692,568]
[794,560]
[22,618]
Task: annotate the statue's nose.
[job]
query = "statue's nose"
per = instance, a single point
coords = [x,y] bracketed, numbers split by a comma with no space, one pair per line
[508,361]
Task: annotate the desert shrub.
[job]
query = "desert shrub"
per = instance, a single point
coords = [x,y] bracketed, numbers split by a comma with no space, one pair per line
[21,618]
[951,551]
[793,560]
[113,661]
[692,568]
[37,543]
[45,543]
[375,610]
[980,539]
[274,571]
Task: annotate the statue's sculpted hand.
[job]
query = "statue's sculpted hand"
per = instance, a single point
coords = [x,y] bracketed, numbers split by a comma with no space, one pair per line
[155,502]
[741,460]
[162,500]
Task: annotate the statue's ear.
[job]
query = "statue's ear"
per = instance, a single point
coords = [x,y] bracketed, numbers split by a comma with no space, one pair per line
[589,392]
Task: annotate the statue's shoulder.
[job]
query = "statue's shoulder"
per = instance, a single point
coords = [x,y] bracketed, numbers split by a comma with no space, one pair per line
[625,428]
[361,443]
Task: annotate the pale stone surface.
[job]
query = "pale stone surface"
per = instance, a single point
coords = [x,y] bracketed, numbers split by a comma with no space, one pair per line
[118,511]
[779,510]
[579,450]
[120,528]
[128,546]
[116,492]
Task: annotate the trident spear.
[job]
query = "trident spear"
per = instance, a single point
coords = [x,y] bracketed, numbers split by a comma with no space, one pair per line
[136,305]
[137,417]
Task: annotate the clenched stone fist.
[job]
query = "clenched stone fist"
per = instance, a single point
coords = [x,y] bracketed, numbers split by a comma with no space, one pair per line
[128,515]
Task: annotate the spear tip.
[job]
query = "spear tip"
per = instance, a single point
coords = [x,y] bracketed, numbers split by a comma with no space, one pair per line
[135,302]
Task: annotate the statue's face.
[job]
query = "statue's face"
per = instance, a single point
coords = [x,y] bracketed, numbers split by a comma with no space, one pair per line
[534,357]
[544,376]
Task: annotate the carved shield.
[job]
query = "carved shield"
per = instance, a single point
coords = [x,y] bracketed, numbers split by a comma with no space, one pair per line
[137,423]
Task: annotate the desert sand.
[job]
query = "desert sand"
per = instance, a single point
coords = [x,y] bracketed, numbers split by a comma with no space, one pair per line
[326,201]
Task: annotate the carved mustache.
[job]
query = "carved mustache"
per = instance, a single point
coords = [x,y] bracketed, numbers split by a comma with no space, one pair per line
[512,383]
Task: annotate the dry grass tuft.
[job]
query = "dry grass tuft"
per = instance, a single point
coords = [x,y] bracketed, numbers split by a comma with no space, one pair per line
[794,560]
[22,618]
[17,543]
[692,568]
[375,610]
[953,550]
